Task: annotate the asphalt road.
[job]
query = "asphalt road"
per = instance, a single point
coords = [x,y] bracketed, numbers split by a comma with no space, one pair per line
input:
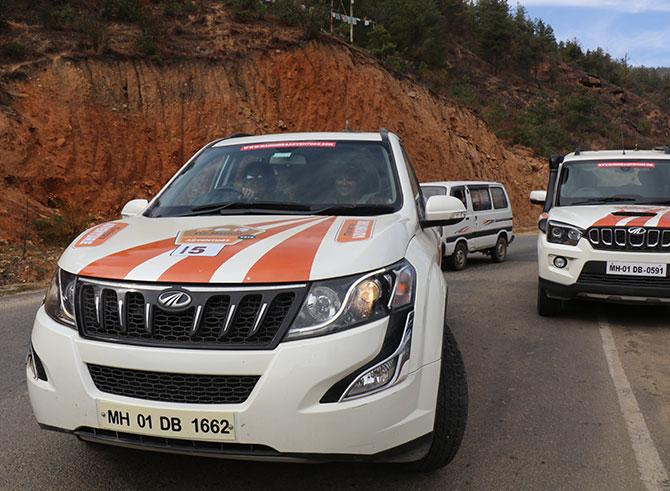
[549,406]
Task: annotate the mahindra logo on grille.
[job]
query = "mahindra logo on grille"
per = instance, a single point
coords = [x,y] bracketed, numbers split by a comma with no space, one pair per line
[636,231]
[174,299]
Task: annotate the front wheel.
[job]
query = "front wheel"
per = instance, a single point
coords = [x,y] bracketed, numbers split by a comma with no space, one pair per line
[499,252]
[546,306]
[451,411]
[459,258]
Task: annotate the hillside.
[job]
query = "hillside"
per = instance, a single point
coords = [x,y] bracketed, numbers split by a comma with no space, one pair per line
[82,133]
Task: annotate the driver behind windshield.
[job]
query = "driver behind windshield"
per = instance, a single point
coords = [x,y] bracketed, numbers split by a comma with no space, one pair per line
[258,182]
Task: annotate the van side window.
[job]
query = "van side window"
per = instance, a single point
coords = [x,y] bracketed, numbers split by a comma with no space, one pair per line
[499,198]
[481,200]
[429,191]
[459,192]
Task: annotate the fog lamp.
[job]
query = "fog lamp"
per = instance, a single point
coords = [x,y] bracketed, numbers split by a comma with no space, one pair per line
[560,262]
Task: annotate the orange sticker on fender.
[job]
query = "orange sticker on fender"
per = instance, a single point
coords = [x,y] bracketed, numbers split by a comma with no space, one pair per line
[100,233]
[226,234]
[353,230]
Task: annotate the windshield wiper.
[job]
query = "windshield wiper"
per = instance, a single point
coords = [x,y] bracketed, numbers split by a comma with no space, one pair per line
[610,199]
[264,207]
[348,209]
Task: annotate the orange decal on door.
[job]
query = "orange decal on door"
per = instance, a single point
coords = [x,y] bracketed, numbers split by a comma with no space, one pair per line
[292,259]
[354,230]
[100,233]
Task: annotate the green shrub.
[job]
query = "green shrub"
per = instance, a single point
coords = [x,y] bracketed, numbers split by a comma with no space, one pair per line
[57,15]
[62,228]
[123,10]
[14,51]
[247,10]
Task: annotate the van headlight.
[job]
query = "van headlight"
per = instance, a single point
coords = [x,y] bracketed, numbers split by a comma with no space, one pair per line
[339,304]
[562,233]
[59,299]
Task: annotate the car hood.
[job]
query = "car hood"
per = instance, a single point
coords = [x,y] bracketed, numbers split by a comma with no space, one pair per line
[612,215]
[237,249]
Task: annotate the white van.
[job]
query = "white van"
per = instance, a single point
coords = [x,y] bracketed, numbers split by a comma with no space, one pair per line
[487,227]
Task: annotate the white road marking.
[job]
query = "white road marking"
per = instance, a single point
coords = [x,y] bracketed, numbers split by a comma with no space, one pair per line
[652,472]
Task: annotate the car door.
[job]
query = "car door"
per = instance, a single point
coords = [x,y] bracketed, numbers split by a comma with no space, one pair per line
[502,209]
[484,220]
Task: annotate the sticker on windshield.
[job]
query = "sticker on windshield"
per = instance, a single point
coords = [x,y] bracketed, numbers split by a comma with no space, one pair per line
[99,234]
[353,230]
[263,146]
[226,235]
[644,165]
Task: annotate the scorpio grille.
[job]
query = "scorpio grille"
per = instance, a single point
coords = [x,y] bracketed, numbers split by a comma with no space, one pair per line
[216,318]
[638,239]
[173,387]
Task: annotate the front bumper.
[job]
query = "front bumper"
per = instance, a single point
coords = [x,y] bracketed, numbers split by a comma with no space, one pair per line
[282,416]
[585,277]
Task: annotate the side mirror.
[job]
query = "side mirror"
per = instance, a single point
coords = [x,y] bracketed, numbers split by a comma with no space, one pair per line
[538,197]
[442,211]
[134,207]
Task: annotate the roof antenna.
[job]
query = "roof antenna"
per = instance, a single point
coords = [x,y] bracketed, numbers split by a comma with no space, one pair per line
[346,125]
[623,143]
[637,135]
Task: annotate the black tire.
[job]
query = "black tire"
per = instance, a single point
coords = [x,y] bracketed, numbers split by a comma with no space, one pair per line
[547,307]
[451,411]
[459,258]
[499,252]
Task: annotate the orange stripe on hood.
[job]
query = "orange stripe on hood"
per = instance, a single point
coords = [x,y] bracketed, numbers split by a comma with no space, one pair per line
[609,220]
[201,269]
[641,221]
[292,259]
[664,221]
[118,265]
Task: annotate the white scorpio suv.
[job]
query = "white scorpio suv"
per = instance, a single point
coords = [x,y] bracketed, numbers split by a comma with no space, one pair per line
[281,298]
[605,230]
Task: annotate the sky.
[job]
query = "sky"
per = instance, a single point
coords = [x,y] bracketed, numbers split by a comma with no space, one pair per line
[637,28]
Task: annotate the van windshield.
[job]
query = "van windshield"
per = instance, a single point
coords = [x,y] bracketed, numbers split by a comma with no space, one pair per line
[329,177]
[611,181]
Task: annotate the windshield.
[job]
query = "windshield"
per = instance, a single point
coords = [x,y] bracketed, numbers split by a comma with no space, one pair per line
[334,177]
[611,181]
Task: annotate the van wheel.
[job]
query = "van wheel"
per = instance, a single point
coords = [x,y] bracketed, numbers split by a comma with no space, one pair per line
[451,411]
[499,252]
[459,258]
[547,307]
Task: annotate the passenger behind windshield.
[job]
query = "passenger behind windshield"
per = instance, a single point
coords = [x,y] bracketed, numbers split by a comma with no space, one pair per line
[592,183]
[305,176]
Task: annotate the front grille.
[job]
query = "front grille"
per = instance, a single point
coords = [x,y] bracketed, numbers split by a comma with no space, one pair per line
[173,387]
[219,318]
[637,239]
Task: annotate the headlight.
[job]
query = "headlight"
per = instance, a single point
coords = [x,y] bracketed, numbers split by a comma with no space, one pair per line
[59,299]
[335,305]
[562,233]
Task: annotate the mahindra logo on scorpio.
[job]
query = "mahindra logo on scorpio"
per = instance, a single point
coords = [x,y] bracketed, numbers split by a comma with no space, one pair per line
[636,231]
[174,300]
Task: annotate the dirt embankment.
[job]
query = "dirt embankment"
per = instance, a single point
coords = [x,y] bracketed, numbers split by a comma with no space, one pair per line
[94,133]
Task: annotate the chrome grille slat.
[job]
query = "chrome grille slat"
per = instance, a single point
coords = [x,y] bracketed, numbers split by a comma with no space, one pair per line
[216,319]
[650,239]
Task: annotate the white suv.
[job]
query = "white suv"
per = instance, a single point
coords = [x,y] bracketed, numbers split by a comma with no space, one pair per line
[281,298]
[605,230]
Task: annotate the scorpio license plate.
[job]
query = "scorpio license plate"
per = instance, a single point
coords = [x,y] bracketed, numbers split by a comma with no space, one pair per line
[167,423]
[636,269]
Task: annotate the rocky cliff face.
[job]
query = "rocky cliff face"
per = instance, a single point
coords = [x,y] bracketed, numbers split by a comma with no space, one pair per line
[91,133]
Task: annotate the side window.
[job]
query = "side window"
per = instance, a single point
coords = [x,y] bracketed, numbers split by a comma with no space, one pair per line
[429,191]
[499,198]
[416,188]
[459,192]
[481,200]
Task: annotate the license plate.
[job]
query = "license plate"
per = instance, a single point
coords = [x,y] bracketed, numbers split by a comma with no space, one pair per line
[636,269]
[167,423]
